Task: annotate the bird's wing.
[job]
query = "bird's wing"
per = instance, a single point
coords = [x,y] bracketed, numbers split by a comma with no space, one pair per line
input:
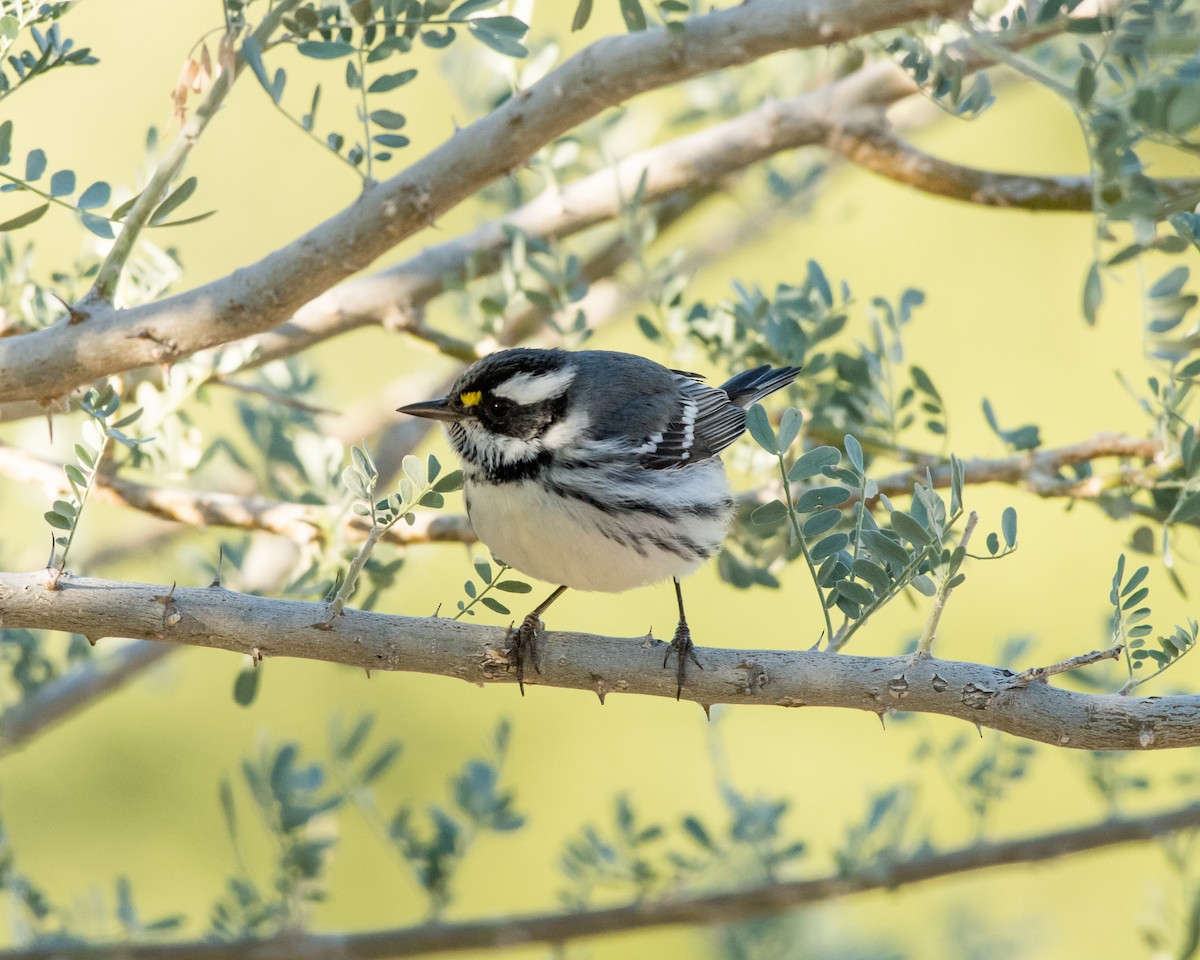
[702,422]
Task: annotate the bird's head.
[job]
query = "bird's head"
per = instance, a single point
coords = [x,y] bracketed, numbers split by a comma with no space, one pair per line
[505,408]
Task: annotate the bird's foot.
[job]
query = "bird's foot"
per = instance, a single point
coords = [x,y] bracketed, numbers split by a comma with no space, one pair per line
[523,647]
[684,650]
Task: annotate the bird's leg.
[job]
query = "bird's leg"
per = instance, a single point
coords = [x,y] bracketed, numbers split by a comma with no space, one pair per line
[524,640]
[681,645]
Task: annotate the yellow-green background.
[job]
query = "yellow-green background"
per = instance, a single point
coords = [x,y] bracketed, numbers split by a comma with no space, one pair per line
[130,785]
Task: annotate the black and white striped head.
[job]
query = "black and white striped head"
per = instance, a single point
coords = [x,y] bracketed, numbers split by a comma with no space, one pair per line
[508,408]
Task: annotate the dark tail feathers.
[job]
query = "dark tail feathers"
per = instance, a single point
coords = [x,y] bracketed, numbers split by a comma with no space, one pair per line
[750,386]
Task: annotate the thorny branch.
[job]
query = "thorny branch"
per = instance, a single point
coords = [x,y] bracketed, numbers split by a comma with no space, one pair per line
[265,627]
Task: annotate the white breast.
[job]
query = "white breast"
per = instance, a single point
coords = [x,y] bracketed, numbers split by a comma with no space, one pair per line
[564,540]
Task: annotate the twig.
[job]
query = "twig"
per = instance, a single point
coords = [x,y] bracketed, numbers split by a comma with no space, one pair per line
[299,522]
[702,910]
[975,693]
[874,147]
[1039,674]
[943,592]
[170,165]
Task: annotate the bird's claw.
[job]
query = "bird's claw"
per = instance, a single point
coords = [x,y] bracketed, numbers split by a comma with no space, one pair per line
[684,650]
[523,645]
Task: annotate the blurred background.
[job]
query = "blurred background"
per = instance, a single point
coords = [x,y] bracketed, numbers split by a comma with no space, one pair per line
[130,786]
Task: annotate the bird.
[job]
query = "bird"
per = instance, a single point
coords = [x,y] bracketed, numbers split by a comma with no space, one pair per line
[596,470]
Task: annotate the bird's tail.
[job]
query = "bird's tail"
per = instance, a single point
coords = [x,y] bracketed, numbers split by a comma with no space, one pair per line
[750,386]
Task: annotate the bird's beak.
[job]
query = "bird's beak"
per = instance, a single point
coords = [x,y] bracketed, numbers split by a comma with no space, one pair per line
[438,409]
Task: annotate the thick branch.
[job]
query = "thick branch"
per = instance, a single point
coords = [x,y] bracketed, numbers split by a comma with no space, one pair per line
[876,148]
[51,361]
[978,694]
[704,910]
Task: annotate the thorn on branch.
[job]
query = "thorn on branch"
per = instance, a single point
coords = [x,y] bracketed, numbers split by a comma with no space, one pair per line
[74,314]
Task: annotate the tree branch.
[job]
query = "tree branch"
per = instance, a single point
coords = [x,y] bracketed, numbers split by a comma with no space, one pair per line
[979,694]
[299,522]
[1035,472]
[77,688]
[52,361]
[874,147]
[703,910]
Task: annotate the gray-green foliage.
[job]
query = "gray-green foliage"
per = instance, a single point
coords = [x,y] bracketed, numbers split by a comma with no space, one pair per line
[371,38]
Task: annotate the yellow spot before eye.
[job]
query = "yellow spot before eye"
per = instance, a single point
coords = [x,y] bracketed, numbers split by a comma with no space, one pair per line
[471,398]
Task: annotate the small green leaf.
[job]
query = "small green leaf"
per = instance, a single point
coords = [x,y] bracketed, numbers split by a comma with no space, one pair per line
[1093,293]
[245,686]
[97,225]
[323,50]
[633,15]
[759,425]
[174,200]
[814,462]
[514,586]
[829,546]
[450,482]
[910,529]
[769,514]
[97,195]
[854,451]
[789,427]
[924,585]
[26,218]
[821,497]
[1008,526]
[35,165]
[57,520]
[62,183]
[252,53]
[390,81]
[495,606]
[582,13]
[393,140]
[822,522]
[388,119]
[855,591]
[885,547]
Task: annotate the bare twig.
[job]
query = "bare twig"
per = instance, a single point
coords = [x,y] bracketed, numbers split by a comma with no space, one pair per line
[702,910]
[925,644]
[170,165]
[299,522]
[1040,674]
[975,693]
[874,147]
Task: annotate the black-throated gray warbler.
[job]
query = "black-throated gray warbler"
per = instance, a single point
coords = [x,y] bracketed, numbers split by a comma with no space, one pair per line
[596,470]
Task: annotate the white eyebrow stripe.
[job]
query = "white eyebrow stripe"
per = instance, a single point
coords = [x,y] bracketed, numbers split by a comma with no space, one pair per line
[529,388]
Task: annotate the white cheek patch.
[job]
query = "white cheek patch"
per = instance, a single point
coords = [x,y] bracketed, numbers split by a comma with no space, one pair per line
[567,431]
[528,388]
